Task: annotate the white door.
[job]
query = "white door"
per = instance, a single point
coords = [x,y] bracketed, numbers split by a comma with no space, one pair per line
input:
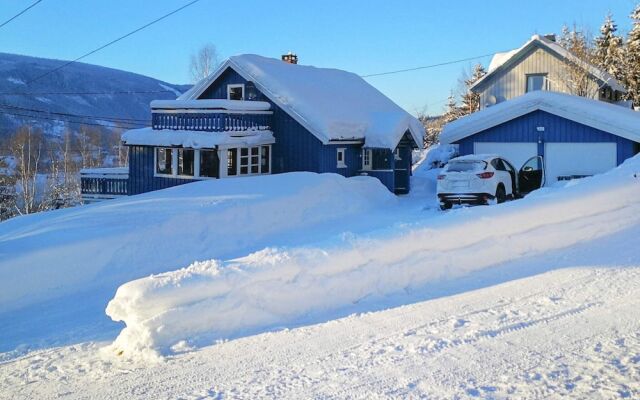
[517,153]
[565,159]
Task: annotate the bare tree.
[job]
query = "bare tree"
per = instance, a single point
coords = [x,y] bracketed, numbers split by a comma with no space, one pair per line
[89,146]
[26,146]
[204,62]
[577,75]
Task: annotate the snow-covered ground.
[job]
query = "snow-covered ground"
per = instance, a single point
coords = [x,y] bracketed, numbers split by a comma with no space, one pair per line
[536,298]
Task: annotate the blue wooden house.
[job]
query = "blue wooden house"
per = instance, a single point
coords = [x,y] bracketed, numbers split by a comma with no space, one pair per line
[573,136]
[257,116]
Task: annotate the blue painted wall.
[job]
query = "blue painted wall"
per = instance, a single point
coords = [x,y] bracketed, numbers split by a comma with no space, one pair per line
[557,129]
[141,169]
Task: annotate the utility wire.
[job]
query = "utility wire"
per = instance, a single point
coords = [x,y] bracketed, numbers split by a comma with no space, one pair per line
[122,125]
[87,93]
[116,119]
[426,66]
[20,13]
[113,41]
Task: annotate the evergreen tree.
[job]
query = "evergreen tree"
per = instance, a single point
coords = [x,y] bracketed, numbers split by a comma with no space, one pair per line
[632,59]
[608,53]
[471,100]
[453,112]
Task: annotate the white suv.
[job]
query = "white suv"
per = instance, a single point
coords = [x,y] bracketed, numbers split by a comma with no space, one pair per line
[477,179]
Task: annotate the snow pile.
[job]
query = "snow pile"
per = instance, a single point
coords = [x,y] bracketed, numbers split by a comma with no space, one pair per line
[215,104]
[91,250]
[196,139]
[274,287]
[332,104]
[440,154]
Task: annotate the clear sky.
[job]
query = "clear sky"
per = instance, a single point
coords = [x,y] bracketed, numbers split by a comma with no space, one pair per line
[359,36]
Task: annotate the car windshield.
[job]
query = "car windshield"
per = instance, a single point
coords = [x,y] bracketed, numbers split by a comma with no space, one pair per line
[466,166]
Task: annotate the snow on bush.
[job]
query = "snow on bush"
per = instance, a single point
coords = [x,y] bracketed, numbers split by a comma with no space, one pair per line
[440,154]
[278,287]
[95,248]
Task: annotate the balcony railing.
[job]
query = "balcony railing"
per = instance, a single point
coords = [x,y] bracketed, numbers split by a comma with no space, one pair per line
[212,122]
[103,183]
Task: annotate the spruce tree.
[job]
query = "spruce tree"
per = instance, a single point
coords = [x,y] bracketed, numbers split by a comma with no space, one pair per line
[609,48]
[632,59]
[471,100]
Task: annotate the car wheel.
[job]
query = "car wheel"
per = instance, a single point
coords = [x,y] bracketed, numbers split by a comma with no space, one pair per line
[446,206]
[501,194]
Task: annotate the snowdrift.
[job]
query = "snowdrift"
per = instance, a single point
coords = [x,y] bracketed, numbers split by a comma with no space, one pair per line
[276,287]
[98,247]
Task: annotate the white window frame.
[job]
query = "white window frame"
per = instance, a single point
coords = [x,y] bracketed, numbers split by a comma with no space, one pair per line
[367,159]
[233,86]
[396,154]
[174,164]
[341,151]
[223,154]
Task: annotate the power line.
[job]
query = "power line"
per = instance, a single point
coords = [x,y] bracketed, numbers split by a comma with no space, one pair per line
[20,13]
[116,119]
[113,41]
[426,66]
[87,93]
[123,125]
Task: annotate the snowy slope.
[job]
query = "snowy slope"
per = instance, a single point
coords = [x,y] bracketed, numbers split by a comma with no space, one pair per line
[17,70]
[218,300]
[69,262]
[569,329]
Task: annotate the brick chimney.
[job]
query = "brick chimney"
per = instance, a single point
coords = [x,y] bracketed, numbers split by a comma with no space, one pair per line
[290,58]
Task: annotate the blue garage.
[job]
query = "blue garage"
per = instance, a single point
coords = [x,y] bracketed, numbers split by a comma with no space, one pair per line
[572,136]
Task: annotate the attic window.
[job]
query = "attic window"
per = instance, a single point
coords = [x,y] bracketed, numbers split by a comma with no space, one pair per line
[235,92]
[536,82]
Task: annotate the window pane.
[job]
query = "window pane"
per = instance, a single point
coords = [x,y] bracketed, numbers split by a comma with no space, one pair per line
[209,163]
[164,160]
[244,170]
[232,161]
[254,151]
[185,162]
[535,82]
[236,93]
[244,151]
[265,160]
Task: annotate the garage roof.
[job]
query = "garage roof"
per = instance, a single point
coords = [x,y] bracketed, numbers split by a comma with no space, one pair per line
[614,119]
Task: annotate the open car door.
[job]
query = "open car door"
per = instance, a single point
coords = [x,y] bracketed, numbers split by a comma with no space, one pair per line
[531,175]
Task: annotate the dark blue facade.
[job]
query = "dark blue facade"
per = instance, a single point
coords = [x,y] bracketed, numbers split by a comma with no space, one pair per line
[556,130]
[295,148]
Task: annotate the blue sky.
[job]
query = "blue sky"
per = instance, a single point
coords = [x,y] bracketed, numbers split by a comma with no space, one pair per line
[360,36]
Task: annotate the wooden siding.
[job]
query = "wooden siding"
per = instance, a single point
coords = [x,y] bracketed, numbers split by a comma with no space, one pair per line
[141,170]
[512,81]
[557,129]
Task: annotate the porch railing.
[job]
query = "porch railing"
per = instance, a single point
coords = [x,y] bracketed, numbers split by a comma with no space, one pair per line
[212,122]
[104,183]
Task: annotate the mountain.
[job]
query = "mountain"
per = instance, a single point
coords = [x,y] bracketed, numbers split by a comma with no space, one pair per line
[83,87]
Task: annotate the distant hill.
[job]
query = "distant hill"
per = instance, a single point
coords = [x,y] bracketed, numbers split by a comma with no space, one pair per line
[81,78]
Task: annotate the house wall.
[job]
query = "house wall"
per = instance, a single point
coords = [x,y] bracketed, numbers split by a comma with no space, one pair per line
[512,82]
[141,170]
[557,129]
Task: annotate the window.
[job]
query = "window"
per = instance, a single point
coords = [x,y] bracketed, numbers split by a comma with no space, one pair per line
[466,166]
[255,160]
[340,158]
[164,161]
[265,160]
[244,161]
[209,163]
[498,164]
[186,162]
[396,154]
[536,82]
[235,92]
[232,162]
[366,158]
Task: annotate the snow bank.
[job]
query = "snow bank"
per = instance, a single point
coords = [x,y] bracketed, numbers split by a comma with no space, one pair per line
[95,248]
[440,154]
[275,287]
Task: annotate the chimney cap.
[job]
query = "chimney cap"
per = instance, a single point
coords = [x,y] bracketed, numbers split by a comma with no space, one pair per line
[550,36]
[291,58]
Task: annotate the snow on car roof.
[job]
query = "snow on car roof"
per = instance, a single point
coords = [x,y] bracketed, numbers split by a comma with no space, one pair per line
[611,118]
[475,157]
[332,104]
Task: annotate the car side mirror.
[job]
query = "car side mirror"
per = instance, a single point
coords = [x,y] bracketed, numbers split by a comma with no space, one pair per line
[527,169]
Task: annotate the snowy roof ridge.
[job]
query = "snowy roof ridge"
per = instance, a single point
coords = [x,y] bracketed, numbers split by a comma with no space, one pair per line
[611,118]
[500,60]
[332,104]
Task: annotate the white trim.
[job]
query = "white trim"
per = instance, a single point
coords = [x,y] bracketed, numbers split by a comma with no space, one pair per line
[342,142]
[205,111]
[341,163]
[367,153]
[155,162]
[234,86]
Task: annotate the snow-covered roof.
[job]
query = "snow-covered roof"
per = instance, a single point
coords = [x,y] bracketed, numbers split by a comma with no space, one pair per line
[332,104]
[194,139]
[617,120]
[217,104]
[502,61]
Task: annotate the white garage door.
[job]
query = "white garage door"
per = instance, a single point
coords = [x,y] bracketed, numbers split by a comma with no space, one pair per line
[517,153]
[578,159]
